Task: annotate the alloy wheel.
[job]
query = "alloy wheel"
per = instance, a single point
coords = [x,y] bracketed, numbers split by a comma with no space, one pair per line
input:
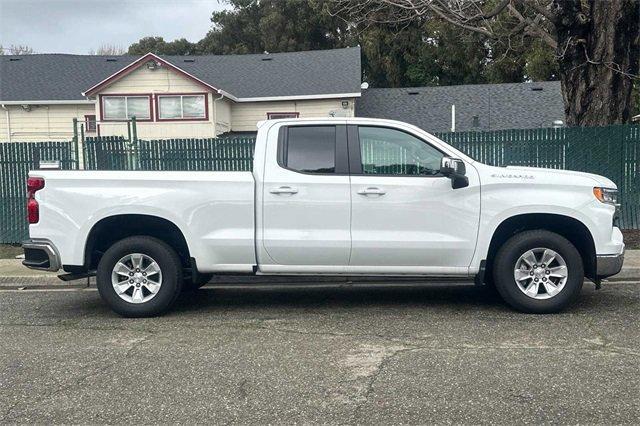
[136,278]
[541,273]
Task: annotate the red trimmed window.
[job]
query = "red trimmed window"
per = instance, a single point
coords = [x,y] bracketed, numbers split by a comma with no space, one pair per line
[277,115]
[90,123]
[182,107]
[124,107]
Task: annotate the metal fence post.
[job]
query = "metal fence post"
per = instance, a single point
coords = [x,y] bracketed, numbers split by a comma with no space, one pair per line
[75,143]
[80,158]
[134,144]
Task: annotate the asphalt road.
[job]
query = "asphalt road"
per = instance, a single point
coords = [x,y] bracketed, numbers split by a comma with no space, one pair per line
[321,355]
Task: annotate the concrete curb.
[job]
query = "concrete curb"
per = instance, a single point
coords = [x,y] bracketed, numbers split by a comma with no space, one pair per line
[14,275]
[22,282]
[627,274]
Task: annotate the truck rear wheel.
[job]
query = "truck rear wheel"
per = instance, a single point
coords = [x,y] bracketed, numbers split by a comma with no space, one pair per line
[139,276]
[538,272]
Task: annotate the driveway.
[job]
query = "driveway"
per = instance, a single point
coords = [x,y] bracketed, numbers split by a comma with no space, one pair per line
[358,354]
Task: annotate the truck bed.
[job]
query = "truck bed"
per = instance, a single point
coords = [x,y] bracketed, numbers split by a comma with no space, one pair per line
[214,210]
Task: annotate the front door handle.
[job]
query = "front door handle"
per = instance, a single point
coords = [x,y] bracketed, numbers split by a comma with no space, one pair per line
[284,190]
[371,191]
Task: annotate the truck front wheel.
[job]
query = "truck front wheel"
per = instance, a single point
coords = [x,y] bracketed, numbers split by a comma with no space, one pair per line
[538,272]
[139,276]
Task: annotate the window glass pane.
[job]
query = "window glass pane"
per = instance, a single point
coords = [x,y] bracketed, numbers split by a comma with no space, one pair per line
[90,123]
[393,152]
[193,106]
[114,108]
[311,149]
[138,107]
[170,107]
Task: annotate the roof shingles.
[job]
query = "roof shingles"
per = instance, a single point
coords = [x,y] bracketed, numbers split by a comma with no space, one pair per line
[65,77]
[496,106]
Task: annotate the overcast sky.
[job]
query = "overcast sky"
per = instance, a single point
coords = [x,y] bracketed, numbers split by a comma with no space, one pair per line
[77,26]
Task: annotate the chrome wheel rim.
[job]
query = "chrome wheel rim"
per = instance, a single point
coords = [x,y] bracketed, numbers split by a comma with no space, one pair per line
[541,273]
[136,278]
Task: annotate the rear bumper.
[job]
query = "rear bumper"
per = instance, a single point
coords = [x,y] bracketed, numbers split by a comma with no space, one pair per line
[41,255]
[609,265]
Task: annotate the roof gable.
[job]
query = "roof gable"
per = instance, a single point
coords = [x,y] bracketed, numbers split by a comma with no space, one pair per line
[142,61]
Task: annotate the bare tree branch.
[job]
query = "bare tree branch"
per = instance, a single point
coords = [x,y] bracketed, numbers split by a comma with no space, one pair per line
[542,10]
[470,15]
[460,24]
[534,28]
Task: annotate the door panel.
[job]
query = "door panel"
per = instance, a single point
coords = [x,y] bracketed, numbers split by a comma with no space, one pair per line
[403,212]
[306,198]
[416,222]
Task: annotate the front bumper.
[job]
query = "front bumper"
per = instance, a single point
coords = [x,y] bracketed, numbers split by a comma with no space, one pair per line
[608,265]
[41,255]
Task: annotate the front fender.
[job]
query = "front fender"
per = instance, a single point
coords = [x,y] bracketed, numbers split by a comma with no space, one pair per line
[492,218]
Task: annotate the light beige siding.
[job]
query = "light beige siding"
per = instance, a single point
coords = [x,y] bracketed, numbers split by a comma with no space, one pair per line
[245,115]
[41,122]
[157,82]
[222,115]
[160,80]
[164,130]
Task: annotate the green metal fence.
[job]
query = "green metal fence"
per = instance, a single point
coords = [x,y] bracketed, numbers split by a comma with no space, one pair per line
[612,151]
[214,154]
[16,159]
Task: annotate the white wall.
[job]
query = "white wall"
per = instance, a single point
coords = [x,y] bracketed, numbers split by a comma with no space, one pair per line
[160,80]
[41,122]
[244,116]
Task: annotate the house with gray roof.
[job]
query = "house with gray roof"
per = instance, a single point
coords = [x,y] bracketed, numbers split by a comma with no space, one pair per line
[468,107]
[171,96]
[211,95]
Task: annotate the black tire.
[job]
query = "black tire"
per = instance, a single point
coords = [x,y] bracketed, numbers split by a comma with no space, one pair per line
[200,280]
[169,264]
[516,246]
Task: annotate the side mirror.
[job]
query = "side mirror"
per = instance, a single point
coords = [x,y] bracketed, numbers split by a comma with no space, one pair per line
[454,169]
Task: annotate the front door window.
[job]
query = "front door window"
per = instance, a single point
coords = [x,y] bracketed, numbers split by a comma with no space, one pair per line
[387,151]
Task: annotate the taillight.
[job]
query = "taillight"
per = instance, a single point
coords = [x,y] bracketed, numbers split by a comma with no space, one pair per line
[33,210]
[34,184]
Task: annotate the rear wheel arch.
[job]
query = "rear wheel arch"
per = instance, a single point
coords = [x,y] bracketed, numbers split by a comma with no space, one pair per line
[568,227]
[112,229]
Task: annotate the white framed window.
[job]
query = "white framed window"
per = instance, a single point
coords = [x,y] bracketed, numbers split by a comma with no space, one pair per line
[90,123]
[277,115]
[182,107]
[124,107]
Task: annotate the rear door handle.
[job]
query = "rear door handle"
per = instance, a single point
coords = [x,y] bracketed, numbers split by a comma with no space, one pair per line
[371,191]
[284,190]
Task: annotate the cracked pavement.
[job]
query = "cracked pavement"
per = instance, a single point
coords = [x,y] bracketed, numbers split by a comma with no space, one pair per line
[324,354]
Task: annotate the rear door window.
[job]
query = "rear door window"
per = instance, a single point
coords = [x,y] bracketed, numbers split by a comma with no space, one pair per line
[310,149]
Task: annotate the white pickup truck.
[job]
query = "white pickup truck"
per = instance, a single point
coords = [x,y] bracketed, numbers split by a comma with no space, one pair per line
[344,197]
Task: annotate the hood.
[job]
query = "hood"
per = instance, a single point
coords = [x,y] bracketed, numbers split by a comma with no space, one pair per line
[535,175]
[597,179]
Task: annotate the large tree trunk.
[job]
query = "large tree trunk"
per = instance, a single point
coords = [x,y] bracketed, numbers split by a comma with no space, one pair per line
[599,50]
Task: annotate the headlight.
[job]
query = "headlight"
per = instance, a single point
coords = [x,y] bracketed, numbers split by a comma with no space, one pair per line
[606,195]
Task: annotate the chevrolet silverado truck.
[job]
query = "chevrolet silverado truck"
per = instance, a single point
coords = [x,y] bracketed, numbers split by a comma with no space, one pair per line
[337,197]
